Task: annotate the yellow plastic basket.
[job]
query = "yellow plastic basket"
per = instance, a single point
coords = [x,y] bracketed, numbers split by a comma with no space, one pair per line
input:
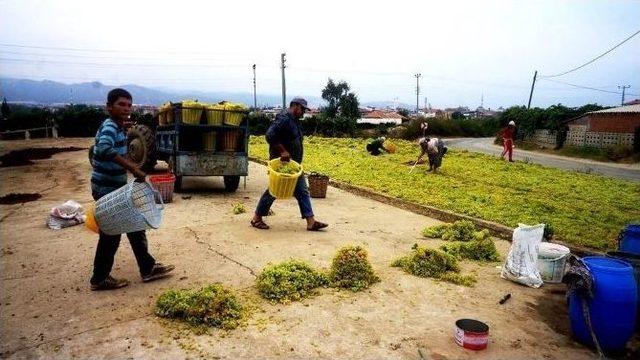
[233,118]
[391,147]
[281,186]
[191,115]
[209,141]
[90,222]
[214,117]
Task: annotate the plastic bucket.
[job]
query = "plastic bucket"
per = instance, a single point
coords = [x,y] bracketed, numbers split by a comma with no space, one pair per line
[282,186]
[164,185]
[552,259]
[471,334]
[612,310]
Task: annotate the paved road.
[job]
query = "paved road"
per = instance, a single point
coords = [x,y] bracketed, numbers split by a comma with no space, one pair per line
[485,145]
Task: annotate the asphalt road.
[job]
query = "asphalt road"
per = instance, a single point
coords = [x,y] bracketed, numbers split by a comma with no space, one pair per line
[485,145]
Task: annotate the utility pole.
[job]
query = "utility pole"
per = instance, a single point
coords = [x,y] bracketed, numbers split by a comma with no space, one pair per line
[255,99]
[535,75]
[284,86]
[418,92]
[623,87]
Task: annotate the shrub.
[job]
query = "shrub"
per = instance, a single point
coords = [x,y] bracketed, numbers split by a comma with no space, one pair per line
[212,305]
[433,263]
[351,269]
[481,248]
[618,152]
[289,281]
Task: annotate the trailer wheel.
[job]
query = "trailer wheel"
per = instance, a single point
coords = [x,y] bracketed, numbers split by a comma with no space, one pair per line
[141,146]
[231,183]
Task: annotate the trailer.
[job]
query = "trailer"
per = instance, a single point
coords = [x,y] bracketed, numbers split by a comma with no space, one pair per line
[194,141]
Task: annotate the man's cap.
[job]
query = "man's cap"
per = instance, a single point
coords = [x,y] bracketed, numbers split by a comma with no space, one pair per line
[300,101]
[512,123]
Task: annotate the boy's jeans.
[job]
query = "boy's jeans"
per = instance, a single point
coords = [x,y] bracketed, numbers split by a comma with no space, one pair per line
[301,193]
[106,251]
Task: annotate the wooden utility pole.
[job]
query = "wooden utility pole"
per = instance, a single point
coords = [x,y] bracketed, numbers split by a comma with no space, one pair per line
[535,75]
[623,87]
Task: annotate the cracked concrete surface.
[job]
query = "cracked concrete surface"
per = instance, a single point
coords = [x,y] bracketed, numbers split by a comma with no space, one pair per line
[47,310]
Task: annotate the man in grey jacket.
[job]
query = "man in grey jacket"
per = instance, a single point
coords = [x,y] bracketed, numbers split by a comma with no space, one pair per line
[285,142]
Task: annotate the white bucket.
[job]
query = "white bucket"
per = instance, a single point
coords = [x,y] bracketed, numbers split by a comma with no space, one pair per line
[551,261]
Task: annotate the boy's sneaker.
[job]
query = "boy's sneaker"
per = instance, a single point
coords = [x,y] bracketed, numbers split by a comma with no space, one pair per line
[110,283]
[157,272]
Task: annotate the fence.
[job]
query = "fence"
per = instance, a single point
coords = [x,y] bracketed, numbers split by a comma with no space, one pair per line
[26,133]
[579,136]
[546,138]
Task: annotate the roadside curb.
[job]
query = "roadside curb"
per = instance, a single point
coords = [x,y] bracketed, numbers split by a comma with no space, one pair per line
[497,230]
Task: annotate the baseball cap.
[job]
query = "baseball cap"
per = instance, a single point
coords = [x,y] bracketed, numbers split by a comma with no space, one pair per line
[512,123]
[300,101]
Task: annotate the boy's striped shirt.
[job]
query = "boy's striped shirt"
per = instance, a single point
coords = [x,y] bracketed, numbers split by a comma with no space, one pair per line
[107,175]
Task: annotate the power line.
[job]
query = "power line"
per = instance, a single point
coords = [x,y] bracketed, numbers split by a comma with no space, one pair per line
[587,87]
[116,64]
[594,59]
[109,50]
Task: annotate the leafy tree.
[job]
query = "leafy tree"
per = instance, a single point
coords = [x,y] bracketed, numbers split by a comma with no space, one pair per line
[404,112]
[340,99]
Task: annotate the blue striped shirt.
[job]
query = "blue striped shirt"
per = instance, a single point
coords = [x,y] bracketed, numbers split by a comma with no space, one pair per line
[107,175]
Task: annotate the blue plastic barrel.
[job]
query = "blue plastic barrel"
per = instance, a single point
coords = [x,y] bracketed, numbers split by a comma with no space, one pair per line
[634,261]
[630,239]
[613,308]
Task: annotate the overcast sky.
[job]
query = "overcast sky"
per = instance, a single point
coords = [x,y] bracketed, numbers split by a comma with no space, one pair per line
[463,49]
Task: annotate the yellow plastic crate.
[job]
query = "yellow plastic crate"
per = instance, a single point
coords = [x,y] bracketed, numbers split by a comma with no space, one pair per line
[281,186]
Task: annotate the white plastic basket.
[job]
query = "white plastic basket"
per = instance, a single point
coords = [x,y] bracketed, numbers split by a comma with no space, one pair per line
[130,208]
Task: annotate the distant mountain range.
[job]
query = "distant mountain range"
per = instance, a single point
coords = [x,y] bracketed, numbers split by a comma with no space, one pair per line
[48,92]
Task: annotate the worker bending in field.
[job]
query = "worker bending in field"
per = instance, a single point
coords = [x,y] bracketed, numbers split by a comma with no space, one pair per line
[374,148]
[435,150]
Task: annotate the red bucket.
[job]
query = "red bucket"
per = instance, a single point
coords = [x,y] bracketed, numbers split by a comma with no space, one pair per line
[164,184]
[471,334]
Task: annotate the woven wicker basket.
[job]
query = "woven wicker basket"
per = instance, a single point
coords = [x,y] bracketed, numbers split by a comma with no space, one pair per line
[318,185]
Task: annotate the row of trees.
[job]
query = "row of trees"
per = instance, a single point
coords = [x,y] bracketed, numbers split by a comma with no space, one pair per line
[71,120]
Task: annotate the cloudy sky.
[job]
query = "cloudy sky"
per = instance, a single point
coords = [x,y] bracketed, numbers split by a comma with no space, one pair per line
[464,50]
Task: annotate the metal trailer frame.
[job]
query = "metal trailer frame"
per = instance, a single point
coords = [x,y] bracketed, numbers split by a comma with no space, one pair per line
[184,160]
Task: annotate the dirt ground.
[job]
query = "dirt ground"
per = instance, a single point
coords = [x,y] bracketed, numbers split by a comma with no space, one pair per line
[48,311]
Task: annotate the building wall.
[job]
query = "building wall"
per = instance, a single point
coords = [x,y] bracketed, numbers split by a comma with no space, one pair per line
[577,136]
[379,121]
[614,123]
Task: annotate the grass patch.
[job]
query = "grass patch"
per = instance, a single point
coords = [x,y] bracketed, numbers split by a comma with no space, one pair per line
[289,281]
[239,209]
[481,248]
[213,306]
[433,263]
[584,209]
[351,269]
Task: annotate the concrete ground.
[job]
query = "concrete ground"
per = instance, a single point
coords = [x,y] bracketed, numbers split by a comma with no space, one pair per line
[486,145]
[47,310]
